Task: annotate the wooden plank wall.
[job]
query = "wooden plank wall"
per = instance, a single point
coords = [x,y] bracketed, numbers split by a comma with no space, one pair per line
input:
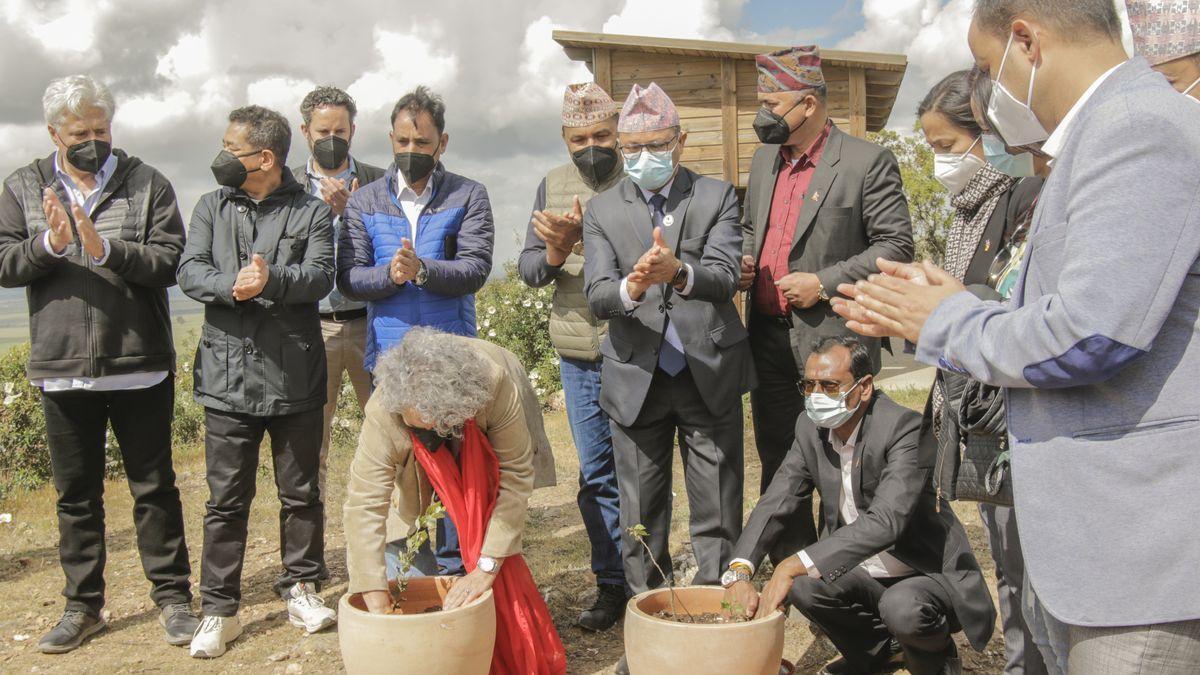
[717,102]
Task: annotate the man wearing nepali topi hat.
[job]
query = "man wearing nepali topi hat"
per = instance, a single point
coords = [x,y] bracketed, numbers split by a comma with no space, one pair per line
[821,206]
[662,252]
[1167,34]
[554,255]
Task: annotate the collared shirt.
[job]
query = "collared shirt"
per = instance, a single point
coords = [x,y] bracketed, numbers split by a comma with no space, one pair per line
[1054,144]
[413,204]
[881,565]
[89,200]
[672,335]
[791,186]
[335,301]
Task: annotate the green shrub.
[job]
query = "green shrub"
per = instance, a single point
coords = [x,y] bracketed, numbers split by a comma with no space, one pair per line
[517,317]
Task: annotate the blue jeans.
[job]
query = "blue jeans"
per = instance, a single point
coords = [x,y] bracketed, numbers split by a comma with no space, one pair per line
[449,558]
[446,562]
[1049,634]
[599,501]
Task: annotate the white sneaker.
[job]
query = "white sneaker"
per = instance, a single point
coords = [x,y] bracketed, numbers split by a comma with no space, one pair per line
[307,610]
[213,635]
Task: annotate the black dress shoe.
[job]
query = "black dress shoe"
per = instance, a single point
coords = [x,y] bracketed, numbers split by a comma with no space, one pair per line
[607,610]
[72,629]
[894,662]
[179,623]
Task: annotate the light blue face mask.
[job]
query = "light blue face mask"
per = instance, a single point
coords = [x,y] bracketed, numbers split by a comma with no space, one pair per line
[1017,166]
[651,170]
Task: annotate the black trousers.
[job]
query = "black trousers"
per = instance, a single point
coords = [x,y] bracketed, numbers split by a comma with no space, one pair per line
[76,425]
[776,404]
[861,614]
[231,442]
[711,447]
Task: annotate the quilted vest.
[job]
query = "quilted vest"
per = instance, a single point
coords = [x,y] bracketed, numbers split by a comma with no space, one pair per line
[574,331]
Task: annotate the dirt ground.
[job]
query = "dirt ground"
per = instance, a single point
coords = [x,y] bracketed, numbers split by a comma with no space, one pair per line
[555,544]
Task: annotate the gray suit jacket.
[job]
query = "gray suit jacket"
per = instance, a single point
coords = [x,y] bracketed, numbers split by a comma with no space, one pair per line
[855,212]
[898,511]
[365,173]
[617,230]
[1097,348]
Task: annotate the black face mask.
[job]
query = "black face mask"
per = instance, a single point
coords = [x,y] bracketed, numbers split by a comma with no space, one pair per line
[229,171]
[772,129]
[414,166]
[331,152]
[595,163]
[89,156]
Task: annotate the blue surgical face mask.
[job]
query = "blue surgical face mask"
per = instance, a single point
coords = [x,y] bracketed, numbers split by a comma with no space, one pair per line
[651,170]
[1017,166]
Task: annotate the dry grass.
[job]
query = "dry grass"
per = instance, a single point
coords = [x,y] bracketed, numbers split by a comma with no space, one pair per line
[556,546]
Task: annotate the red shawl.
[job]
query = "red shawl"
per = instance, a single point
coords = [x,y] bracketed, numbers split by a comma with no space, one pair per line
[526,641]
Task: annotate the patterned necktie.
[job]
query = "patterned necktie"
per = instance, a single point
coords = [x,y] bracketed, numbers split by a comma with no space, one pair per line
[670,358]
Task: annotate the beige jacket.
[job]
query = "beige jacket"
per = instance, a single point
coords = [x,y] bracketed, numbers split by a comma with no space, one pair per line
[388,489]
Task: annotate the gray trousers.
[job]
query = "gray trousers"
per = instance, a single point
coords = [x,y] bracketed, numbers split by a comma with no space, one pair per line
[710,443]
[1021,652]
[1159,649]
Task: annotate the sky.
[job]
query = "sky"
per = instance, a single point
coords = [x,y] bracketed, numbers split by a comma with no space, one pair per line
[177,68]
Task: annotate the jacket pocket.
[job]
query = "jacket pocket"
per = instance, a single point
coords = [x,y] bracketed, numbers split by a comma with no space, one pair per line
[292,249]
[211,376]
[616,349]
[729,334]
[1136,430]
[303,369]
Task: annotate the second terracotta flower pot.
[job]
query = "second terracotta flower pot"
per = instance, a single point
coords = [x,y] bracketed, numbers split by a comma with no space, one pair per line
[655,646]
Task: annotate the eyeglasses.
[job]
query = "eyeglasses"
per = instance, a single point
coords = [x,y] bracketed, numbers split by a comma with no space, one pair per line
[831,388]
[635,150]
[1005,269]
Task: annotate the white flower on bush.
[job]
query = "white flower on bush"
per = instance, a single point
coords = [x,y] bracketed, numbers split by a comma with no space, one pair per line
[527,303]
[487,323]
[10,393]
[492,333]
[187,367]
[508,303]
[539,304]
[534,376]
[540,391]
[344,423]
[491,311]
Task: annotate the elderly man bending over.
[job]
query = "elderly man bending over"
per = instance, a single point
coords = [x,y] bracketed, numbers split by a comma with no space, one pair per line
[456,417]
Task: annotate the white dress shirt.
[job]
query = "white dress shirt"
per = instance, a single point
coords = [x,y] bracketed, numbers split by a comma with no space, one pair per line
[672,335]
[413,204]
[89,200]
[1054,144]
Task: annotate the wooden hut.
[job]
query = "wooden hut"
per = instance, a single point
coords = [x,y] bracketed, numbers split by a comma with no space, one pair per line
[714,86]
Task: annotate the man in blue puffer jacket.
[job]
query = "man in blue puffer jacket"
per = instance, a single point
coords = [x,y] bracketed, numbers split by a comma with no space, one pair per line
[416,246]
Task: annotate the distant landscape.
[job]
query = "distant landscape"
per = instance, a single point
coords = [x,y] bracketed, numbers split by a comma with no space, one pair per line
[186,315]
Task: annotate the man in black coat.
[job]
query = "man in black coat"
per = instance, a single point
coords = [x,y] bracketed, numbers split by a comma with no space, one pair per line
[891,561]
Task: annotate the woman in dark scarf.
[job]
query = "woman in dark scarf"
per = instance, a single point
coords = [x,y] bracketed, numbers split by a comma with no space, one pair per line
[991,193]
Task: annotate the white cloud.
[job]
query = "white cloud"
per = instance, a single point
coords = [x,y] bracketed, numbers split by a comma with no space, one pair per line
[699,19]
[66,31]
[406,61]
[190,59]
[278,93]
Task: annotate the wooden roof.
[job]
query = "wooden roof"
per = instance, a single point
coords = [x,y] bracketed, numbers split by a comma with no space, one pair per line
[884,72]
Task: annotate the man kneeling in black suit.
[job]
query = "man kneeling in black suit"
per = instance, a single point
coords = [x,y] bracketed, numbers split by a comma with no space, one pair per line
[891,565]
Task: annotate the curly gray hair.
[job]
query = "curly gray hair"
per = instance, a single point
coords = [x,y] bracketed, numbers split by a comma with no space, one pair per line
[443,380]
[74,95]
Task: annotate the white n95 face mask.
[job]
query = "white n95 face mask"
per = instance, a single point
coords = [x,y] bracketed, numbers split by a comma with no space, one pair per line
[1014,121]
[828,412]
[955,171]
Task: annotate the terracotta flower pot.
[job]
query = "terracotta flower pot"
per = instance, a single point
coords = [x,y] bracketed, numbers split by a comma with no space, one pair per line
[459,641]
[655,646]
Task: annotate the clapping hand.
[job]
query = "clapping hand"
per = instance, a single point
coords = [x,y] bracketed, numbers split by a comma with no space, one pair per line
[656,266]
[405,264]
[560,233]
[335,193]
[61,233]
[749,269]
[897,302]
[251,279]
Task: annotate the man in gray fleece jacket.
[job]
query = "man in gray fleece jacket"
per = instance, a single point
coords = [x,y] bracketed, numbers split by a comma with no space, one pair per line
[94,236]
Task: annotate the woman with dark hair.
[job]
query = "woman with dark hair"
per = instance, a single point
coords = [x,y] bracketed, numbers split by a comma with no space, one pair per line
[991,191]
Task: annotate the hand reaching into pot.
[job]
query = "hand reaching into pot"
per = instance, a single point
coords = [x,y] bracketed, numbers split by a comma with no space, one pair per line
[775,592]
[742,598]
[466,589]
[378,602]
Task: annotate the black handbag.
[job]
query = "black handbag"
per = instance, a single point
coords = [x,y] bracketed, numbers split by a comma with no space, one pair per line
[985,467]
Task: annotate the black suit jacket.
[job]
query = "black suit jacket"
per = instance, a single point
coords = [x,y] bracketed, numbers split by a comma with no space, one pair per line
[898,511]
[1009,210]
[855,211]
[705,234]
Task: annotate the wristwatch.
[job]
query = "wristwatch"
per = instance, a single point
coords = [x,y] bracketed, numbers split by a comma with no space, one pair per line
[680,276]
[822,294]
[488,564]
[577,249]
[733,575]
[422,275]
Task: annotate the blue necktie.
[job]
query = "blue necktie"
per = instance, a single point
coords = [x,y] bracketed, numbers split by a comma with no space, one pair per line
[670,358]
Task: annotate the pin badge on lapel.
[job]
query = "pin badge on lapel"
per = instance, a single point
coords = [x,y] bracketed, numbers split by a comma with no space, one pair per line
[817,196]
[668,220]
[987,245]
